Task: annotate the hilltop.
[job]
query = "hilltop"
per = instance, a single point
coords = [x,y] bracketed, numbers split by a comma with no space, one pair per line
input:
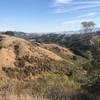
[12,49]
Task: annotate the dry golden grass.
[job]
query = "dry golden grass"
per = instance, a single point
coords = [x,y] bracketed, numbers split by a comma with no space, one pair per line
[62,50]
[12,48]
[34,72]
[21,97]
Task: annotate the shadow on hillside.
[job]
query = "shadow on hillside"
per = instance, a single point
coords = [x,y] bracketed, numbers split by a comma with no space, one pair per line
[91,92]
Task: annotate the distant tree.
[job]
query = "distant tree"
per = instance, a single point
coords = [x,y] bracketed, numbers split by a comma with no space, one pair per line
[88,26]
[94,41]
[87,38]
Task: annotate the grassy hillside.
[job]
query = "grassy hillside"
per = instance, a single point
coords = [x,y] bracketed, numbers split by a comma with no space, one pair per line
[40,71]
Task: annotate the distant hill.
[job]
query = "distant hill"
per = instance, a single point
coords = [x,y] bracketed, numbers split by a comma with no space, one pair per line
[78,43]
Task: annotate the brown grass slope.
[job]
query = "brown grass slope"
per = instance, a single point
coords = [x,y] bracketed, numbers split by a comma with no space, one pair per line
[58,49]
[11,48]
[34,71]
[65,53]
[19,57]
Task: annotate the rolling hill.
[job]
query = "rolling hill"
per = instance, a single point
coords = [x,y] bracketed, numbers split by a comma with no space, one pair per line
[19,54]
[44,70]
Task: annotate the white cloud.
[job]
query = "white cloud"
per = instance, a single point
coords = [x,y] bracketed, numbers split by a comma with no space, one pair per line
[76,8]
[86,2]
[79,19]
[58,3]
[73,24]
[87,15]
[86,7]
[64,6]
[63,1]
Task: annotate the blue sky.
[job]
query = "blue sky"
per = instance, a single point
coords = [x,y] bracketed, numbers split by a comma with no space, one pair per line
[47,15]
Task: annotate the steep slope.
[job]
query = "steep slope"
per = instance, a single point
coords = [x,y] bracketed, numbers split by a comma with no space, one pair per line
[19,58]
[12,48]
[39,69]
[65,53]
[56,48]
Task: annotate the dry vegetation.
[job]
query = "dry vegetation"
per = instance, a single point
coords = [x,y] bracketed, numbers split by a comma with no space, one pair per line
[39,71]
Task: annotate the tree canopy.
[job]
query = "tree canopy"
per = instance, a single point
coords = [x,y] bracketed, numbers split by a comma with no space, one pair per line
[88,26]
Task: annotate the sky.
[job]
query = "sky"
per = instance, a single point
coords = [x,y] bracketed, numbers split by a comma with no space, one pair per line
[47,15]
